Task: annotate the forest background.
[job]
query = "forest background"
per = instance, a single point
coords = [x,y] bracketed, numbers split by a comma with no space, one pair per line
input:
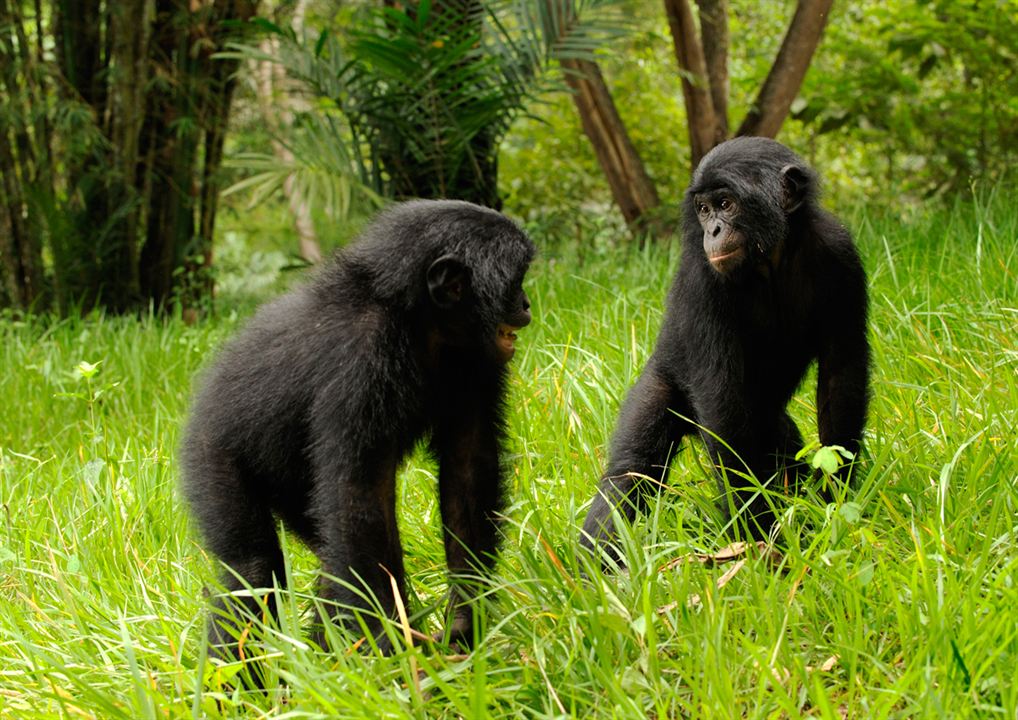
[124,122]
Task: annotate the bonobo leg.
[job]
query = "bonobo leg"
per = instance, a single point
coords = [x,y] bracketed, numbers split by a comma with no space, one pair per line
[648,432]
[788,444]
[241,532]
[471,497]
[763,449]
[359,544]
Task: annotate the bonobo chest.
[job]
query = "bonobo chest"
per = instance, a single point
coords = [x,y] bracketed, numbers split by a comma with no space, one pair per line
[777,337]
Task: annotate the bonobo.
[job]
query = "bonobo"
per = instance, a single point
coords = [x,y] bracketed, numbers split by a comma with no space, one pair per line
[308,413]
[767,283]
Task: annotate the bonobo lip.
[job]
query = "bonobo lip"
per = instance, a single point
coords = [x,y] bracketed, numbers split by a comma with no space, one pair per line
[723,262]
[505,340]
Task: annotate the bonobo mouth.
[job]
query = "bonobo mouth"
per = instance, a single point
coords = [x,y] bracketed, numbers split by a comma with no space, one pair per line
[723,262]
[505,341]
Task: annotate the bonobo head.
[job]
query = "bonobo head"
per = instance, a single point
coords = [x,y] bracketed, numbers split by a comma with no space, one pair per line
[454,290]
[459,264]
[741,201]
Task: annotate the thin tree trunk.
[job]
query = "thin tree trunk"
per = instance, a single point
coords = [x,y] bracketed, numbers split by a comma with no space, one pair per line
[21,244]
[87,256]
[12,230]
[276,105]
[631,186]
[9,295]
[184,159]
[275,112]
[169,219]
[714,33]
[130,29]
[215,81]
[785,78]
[696,87]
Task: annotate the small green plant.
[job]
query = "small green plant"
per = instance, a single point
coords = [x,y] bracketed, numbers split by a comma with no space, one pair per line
[826,458]
[93,395]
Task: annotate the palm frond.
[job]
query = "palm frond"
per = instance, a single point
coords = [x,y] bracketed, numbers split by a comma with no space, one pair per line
[423,96]
[319,164]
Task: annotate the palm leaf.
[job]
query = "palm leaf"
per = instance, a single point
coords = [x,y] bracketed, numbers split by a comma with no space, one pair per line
[421,96]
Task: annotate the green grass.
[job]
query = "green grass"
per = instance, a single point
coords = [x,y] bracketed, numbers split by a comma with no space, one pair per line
[911,581]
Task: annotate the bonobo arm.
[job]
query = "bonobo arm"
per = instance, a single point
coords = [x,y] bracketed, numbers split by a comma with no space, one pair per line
[357,535]
[843,370]
[470,497]
[647,435]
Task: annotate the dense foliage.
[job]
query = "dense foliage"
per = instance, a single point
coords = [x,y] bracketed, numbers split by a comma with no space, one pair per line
[918,96]
[414,100]
[113,119]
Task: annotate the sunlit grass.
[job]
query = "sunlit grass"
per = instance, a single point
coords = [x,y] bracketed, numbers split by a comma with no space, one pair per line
[899,601]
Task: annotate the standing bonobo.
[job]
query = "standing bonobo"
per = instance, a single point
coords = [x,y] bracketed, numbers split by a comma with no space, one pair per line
[768,282]
[308,413]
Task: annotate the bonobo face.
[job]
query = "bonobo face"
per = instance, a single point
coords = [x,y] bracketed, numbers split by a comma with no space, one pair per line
[471,311]
[724,245]
[517,315]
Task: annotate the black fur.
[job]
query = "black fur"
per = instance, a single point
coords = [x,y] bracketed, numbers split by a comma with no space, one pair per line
[786,287]
[307,414]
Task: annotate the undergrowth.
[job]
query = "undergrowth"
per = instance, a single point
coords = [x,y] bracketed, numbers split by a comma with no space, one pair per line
[898,600]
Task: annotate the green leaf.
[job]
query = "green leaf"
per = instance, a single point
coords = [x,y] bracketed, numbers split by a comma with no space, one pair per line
[267,25]
[827,460]
[321,42]
[830,457]
[87,370]
[850,512]
[864,575]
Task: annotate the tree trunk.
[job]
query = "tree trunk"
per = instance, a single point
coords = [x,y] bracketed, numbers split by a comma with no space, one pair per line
[130,29]
[168,189]
[276,104]
[696,87]
[631,186]
[95,264]
[215,80]
[13,234]
[714,32]
[785,78]
[140,172]
[23,168]
[183,135]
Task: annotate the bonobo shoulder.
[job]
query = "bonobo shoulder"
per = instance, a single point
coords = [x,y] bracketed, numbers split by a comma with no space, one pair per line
[835,239]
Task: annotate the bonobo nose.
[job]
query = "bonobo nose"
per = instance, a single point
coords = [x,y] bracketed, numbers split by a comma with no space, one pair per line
[717,229]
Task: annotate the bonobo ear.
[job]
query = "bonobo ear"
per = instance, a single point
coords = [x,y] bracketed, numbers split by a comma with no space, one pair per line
[447,281]
[795,184]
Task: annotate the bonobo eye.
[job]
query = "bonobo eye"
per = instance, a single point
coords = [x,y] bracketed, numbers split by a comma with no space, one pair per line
[727,203]
[701,208]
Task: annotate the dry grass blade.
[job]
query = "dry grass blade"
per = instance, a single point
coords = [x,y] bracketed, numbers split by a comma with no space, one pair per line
[408,632]
[726,554]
